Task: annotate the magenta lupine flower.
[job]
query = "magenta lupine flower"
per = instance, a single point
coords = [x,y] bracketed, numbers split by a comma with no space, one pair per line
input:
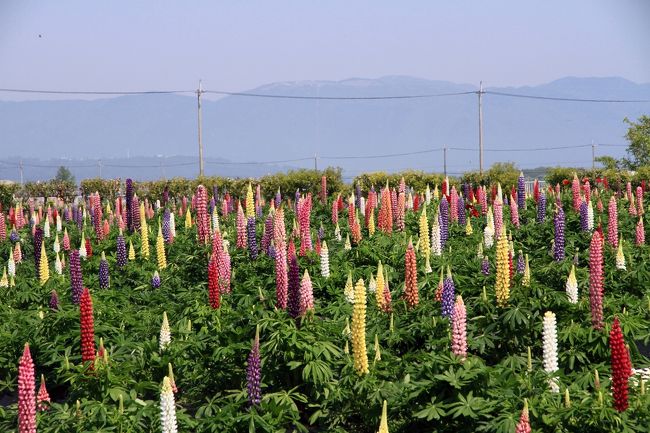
[612,225]
[521,192]
[267,236]
[514,212]
[278,199]
[135,213]
[54,300]
[558,246]
[640,232]
[293,302]
[241,227]
[639,200]
[254,372]
[252,238]
[26,393]
[202,217]
[453,204]
[104,278]
[306,294]
[596,280]
[459,329]
[76,278]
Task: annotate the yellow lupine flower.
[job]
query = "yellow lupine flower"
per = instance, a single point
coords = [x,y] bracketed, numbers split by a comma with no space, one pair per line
[503,271]
[250,203]
[525,281]
[43,266]
[371,223]
[468,227]
[160,249]
[383,424]
[144,234]
[348,291]
[188,219]
[131,251]
[425,245]
[379,293]
[4,281]
[359,351]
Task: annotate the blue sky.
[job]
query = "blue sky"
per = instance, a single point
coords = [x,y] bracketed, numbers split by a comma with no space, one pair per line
[237,45]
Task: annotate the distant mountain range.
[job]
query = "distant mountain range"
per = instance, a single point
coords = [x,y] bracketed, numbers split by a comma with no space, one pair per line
[246,129]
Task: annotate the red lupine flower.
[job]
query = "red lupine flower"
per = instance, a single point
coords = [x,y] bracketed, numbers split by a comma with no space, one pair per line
[26,397]
[621,366]
[214,295]
[87,327]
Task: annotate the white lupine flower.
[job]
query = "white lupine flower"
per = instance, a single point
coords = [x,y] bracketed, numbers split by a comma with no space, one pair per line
[409,201]
[11,265]
[324,260]
[46,228]
[172,224]
[362,204]
[590,216]
[157,204]
[620,258]
[4,281]
[57,246]
[427,194]
[549,338]
[337,232]
[349,289]
[436,247]
[215,220]
[167,408]
[58,267]
[488,236]
[58,223]
[82,248]
[348,245]
[165,333]
[372,284]
[572,286]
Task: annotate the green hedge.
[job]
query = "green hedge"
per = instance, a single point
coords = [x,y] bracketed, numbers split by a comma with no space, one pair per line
[416,179]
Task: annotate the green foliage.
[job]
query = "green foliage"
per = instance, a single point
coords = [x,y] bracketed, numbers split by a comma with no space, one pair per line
[7,191]
[505,173]
[50,188]
[638,135]
[417,179]
[63,174]
[107,188]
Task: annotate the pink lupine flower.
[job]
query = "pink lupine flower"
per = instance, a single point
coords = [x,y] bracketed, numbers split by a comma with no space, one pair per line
[401,209]
[202,217]
[523,426]
[26,391]
[612,225]
[587,190]
[241,227]
[43,397]
[498,217]
[514,212]
[3,227]
[335,211]
[640,232]
[453,205]
[575,190]
[596,280]
[280,242]
[639,200]
[459,329]
[304,207]
[306,294]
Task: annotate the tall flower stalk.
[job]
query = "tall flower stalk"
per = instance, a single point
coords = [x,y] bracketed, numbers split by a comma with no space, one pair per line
[621,367]
[26,393]
[359,350]
[254,372]
[596,280]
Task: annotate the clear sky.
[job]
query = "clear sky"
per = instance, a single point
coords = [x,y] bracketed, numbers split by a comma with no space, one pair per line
[238,45]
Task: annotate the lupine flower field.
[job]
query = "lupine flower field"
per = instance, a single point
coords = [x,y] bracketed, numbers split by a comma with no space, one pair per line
[454,308]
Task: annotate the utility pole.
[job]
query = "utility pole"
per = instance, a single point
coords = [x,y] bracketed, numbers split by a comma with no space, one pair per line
[480,127]
[199,91]
[445,159]
[22,183]
[99,164]
[315,161]
[593,155]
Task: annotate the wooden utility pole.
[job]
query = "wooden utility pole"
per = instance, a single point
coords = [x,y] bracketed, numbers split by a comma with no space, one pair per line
[480,127]
[444,158]
[199,92]
[593,155]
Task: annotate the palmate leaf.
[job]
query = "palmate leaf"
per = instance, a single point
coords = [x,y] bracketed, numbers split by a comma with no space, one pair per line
[433,410]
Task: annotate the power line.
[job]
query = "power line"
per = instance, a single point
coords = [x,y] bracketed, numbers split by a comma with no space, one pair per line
[390,155]
[96,92]
[555,98]
[338,98]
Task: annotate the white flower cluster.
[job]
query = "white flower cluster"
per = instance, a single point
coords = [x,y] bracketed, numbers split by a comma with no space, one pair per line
[572,286]
[167,408]
[549,338]
[324,260]
[165,333]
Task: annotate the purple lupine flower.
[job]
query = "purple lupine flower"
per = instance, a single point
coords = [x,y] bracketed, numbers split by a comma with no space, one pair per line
[211,206]
[252,238]
[485,266]
[66,214]
[293,289]
[76,279]
[462,217]
[121,252]
[357,196]
[521,263]
[215,193]
[74,214]
[54,300]
[321,232]
[272,251]
[38,241]
[80,218]
[506,201]
[135,213]
[165,197]
[393,203]
[166,229]
[541,207]
[155,280]
[558,251]
[448,296]
[103,273]
[14,237]
[129,204]
[295,204]
[521,191]
[466,189]
[584,216]
[268,234]
[443,220]
[278,199]
[254,372]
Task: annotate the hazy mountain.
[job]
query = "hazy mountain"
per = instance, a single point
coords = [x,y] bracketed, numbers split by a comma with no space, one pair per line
[245,129]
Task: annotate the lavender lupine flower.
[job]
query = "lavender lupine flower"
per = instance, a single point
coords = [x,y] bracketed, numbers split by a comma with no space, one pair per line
[268,234]
[272,251]
[293,304]
[278,199]
[80,219]
[166,229]
[38,240]
[14,237]
[584,216]
[462,218]
[215,193]
[252,238]
[357,196]
[521,263]
[103,272]
[295,205]
[254,372]
[129,204]
[448,296]
[121,252]
[76,279]
[321,232]
[54,300]
[211,206]
[465,189]
[541,207]
[443,220]
[521,191]
[155,280]
[66,214]
[558,252]
[485,266]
